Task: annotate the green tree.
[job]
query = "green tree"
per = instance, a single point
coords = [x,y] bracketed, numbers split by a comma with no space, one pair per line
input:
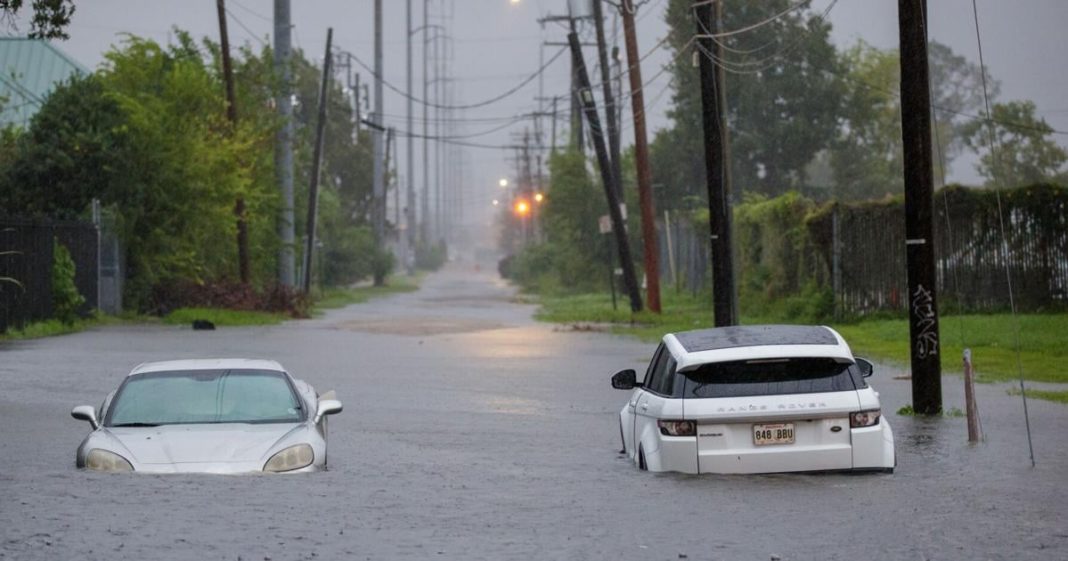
[574,255]
[49,20]
[867,156]
[1022,153]
[782,97]
[75,149]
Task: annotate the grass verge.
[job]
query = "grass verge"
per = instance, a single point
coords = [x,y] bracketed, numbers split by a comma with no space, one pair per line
[54,327]
[333,298]
[223,318]
[992,338]
[1048,395]
[329,299]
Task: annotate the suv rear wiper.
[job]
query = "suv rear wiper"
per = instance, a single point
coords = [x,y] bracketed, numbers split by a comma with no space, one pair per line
[135,425]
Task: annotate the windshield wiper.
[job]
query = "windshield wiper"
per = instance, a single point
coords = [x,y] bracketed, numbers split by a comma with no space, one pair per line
[136,425]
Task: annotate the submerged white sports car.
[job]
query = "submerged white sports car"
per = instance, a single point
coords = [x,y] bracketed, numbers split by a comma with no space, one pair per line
[755,399]
[208,416]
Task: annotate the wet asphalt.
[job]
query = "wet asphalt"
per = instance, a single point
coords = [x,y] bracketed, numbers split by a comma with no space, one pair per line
[471,431]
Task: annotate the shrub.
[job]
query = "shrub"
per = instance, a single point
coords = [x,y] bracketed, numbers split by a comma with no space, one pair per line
[65,297]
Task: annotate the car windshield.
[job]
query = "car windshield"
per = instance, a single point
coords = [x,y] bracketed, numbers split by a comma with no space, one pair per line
[770,377]
[204,396]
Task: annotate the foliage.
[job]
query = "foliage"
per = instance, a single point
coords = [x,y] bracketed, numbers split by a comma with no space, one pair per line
[430,256]
[774,256]
[66,300]
[992,339]
[76,149]
[146,134]
[184,293]
[867,155]
[574,254]
[50,17]
[1057,396]
[53,327]
[782,98]
[1022,153]
[224,317]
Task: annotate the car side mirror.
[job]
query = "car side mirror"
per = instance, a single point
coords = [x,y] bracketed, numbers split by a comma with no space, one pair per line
[866,367]
[328,407]
[625,380]
[86,413]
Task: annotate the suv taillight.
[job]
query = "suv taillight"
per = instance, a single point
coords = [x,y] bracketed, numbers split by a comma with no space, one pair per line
[677,428]
[868,418]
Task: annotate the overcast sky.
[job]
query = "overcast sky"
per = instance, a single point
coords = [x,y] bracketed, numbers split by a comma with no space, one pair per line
[497,43]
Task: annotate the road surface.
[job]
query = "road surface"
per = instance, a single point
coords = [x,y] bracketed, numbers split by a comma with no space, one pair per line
[471,431]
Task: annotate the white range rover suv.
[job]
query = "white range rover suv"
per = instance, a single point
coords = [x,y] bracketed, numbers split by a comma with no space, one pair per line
[754,399]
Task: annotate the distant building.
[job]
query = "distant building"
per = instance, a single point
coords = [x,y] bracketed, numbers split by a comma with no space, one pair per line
[29,70]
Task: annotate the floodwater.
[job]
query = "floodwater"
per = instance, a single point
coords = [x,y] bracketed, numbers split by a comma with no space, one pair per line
[472,432]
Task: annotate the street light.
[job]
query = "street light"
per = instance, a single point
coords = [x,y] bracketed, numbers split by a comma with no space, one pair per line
[522,208]
[538,197]
[496,202]
[503,182]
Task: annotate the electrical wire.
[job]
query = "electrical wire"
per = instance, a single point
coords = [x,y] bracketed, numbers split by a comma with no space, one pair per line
[755,26]
[994,148]
[253,12]
[483,103]
[242,25]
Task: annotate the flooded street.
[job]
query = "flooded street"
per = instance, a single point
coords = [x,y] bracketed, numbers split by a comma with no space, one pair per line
[471,431]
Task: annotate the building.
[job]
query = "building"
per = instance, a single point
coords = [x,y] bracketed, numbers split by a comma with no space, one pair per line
[29,70]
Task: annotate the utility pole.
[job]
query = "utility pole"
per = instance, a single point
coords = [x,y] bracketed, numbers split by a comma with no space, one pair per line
[714,123]
[919,191]
[585,96]
[231,114]
[641,157]
[609,99]
[283,154]
[409,211]
[424,194]
[317,159]
[378,171]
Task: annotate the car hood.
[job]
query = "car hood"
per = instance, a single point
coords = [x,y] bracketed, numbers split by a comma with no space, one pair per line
[216,443]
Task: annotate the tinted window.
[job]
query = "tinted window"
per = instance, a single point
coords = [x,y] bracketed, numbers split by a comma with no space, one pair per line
[663,374]
[652,366]
[205,396]
[789,376]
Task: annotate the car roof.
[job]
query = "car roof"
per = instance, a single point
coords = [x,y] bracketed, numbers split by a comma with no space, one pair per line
[756,342]
[208,364]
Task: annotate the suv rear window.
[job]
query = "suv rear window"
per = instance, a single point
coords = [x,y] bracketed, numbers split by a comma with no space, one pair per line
[771,377]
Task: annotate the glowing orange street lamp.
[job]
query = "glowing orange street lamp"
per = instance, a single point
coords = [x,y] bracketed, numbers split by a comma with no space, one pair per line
[522,207]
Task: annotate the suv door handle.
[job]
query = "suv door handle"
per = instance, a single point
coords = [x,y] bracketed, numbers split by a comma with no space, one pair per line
[644,406]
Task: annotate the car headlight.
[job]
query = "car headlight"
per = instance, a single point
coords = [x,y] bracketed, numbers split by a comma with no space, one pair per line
[868,418]
[294,457]
[102,460]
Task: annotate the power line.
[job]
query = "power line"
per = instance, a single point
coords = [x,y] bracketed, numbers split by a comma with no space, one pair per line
[483,103]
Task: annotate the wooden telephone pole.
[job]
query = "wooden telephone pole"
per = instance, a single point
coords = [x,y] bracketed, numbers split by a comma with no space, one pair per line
[641,157]
[919,191]
[585,97]
[231,114]
[714,117]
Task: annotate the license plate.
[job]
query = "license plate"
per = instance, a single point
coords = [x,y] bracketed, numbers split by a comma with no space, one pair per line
[769,434]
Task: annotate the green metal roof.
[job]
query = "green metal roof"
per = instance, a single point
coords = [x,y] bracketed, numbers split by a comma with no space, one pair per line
[29,69]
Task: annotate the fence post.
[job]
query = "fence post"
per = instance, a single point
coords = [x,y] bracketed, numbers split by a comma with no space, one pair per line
[969,399]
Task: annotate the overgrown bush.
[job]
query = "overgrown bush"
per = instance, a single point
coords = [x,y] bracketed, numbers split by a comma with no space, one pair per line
[229,295]
[430,257]
[66,300]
